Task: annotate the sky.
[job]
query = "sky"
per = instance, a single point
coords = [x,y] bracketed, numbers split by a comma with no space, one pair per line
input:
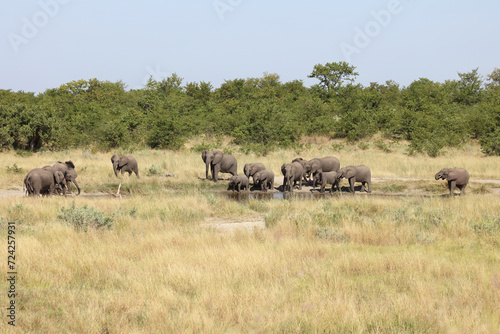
[46,43]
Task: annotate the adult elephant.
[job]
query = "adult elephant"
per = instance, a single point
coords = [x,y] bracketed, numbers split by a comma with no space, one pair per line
[219,162]
[306,167]
[251,168]
[41,181]
[125,163]
[292,172]
[360,173]
[68,169]
[456,177]
[326,164]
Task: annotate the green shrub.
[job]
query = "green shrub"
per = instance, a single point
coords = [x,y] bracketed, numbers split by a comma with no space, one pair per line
[84,217]
[490,143]
[14,169]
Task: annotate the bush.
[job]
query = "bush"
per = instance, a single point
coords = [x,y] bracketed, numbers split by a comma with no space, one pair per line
[490,143]
[84,217]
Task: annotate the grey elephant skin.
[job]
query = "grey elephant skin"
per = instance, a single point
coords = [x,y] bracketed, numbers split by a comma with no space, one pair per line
[219,162]
[292,173]
[125,164]
[307,169]
[264,178]
[326,164]
[68,169]
[360,173]
[238,182]
[324,178]
[456,177]
[251,168]
[41,181]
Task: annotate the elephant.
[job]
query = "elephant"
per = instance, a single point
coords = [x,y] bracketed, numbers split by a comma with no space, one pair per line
[292,172]
[238,182]
[68,169]
[125,163]
[219,162]
[354,174]
[265,178]
[326,164]
[456,177]
[251,168]
[41,181]
[307,172]
[325,178]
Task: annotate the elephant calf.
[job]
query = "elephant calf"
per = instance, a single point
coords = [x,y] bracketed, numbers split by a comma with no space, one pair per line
[456,177]
[125,163]
[238,182]
[354,174]
[251,168]
[325,178]
[264,178]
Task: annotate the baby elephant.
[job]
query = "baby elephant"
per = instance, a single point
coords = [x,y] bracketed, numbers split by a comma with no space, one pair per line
[456,177]
[325,178]
[265,178]
[238,182]
[354,174]
[125,163]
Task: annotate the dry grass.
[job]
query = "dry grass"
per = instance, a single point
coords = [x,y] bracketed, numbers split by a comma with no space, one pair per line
[363,264]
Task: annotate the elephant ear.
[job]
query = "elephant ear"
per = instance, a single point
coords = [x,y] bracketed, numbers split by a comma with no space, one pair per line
[70,164]
[204,155]
[58,177]
[122,161]
[350,172]
[217,157]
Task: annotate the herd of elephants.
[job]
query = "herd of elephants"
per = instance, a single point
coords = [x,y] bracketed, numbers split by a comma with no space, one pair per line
[325,171]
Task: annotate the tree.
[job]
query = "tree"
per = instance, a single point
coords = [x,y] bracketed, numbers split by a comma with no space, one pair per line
[331,76]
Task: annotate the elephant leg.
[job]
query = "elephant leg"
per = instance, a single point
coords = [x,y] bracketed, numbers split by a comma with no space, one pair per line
[351,184]
[363,185]
[462,189]
[369,183]
[452,185]
[215,173]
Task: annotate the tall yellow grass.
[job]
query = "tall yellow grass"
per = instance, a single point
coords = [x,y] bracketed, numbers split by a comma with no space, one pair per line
[341,264]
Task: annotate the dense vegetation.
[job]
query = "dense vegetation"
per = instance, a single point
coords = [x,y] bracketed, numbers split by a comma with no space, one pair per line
[260,114]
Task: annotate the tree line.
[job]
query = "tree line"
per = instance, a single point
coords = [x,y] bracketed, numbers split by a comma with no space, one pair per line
[260,114]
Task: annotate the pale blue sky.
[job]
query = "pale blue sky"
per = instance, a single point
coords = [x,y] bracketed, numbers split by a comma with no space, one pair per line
[46,43]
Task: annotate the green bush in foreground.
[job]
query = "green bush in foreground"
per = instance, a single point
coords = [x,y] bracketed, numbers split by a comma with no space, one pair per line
[84,217]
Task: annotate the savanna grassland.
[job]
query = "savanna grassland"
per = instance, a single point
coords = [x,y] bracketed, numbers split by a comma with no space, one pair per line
[402,259]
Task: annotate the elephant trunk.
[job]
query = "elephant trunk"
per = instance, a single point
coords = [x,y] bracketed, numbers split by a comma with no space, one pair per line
[77,187]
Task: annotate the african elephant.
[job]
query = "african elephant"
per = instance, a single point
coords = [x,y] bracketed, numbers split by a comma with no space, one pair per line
[354,174]
[251,168]
[125,163]
[456,177]
[68,169]
[238,182]
[219,162]
[325,178]
[41,181]
[326,164]
[292,172]
[265,178]
[307,171]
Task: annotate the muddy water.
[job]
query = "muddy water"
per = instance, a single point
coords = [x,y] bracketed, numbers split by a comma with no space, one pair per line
[245,196]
